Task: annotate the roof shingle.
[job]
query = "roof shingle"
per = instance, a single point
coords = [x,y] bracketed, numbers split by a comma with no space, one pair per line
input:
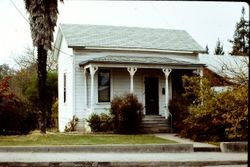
[140,60]
[128,37]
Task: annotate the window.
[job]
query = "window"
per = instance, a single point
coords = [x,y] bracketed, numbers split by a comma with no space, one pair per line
[64,87]
[104,86]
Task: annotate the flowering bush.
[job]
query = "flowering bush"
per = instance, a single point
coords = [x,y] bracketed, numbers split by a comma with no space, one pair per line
[215,116]
[15,118]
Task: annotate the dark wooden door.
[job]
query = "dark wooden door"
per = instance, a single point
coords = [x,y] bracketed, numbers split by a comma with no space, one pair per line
[151,96]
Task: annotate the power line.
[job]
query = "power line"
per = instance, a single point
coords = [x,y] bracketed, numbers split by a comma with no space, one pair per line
[19,11]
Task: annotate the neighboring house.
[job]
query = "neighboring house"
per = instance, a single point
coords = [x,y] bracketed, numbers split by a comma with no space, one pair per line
[223,70]
[97,63]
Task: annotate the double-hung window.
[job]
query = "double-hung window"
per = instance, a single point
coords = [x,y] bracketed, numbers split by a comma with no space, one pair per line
[103,86]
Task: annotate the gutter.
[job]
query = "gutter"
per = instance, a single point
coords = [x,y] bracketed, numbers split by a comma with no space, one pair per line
[136,49]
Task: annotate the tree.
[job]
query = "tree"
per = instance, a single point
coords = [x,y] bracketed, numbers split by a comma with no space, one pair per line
[28,60]
[219,48]
[31,94]
[5,70]
[236,70]
[43,18]
[240,40]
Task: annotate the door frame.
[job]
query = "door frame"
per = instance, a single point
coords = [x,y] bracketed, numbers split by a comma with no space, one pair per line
[158,93]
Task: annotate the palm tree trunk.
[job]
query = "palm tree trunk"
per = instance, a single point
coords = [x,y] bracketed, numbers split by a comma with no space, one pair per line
[42,89]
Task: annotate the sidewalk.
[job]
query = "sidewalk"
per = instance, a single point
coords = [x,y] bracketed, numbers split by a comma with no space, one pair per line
[172,136]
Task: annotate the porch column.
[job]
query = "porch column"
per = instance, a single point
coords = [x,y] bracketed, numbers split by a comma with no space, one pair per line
[132,71]
[200,72]
[166,71]
[92,70]
[85,88]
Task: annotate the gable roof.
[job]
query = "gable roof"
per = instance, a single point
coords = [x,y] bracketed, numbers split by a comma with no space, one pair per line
[226,65]
[117,37]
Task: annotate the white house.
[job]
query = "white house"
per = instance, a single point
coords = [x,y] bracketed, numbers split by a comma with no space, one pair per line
[97,63]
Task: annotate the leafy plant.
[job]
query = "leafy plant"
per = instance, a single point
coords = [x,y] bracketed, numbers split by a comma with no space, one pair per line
[107,122]
[100,123]
[94,122]
[71,126]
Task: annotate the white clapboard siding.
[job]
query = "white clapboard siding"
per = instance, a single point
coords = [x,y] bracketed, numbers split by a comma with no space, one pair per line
[65,66]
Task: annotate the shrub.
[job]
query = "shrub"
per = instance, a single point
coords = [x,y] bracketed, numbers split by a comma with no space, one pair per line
[94,122]
[234,103]
[202,123]
[31,93]
[215,116]
[15,116]
[71,126]
[106,122]
[178,107]
[127,113]
[54,116]
[100,123]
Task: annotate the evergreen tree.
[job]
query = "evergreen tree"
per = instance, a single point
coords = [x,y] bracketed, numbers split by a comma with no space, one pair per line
[241,37]
[219,48]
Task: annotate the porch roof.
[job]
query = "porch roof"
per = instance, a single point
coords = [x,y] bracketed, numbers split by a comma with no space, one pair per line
[139,60]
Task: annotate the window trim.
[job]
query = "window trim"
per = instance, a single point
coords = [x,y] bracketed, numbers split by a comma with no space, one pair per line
[64,88]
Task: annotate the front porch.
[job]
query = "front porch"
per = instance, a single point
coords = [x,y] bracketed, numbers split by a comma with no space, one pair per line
[152,81]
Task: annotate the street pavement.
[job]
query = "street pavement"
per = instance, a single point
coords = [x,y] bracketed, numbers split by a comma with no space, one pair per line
[119,157]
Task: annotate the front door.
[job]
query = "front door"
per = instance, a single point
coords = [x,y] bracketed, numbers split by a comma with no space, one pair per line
[151,96]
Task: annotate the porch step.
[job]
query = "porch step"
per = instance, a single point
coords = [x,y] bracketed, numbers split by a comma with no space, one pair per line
[155,124]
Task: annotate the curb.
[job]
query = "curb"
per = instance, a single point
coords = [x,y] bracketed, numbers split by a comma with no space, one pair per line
[207,149]
[234,146]
[124,164]
[145,148]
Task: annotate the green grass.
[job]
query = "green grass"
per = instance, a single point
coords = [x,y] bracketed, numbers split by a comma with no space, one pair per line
[36,139]
[214,143]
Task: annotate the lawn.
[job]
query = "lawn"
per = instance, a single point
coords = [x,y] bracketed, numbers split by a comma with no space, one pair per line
[79,139]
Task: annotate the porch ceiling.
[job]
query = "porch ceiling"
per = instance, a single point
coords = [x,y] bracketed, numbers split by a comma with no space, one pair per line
[139,60]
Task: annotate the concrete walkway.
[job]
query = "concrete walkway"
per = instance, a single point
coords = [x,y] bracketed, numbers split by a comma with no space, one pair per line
[174,137]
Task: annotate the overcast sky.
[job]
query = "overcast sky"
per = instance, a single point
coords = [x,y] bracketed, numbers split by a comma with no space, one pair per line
[204,21]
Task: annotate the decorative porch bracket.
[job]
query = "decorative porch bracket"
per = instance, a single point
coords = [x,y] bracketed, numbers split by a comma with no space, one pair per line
[166,71]
[132,71]
[92,70]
